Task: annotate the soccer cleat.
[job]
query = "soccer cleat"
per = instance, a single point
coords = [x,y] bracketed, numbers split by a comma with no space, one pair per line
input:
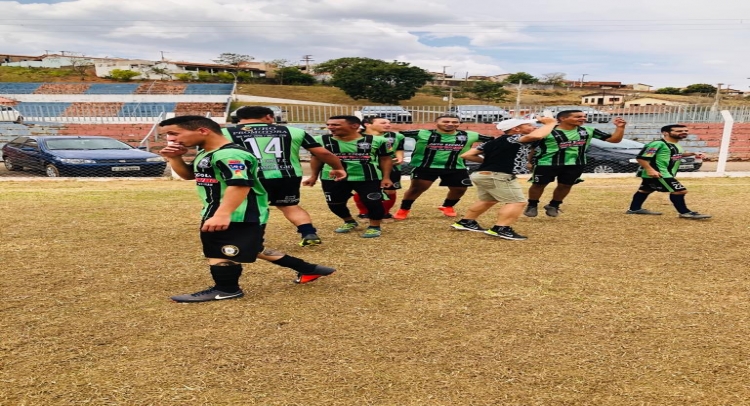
[552,211]
[507,234]
[468,226]
[401,214]
[371,233]
[643,211]
[346,227]
[317,273]
[310,239]
[694,215]
[448,211]
[531,211]
[207,296]
[363,216]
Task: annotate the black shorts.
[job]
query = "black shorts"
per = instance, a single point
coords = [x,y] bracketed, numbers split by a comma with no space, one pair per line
[395,179]
[241,242]
[282,191]
[565,174]
[667,185]
[340,191]
[448,177]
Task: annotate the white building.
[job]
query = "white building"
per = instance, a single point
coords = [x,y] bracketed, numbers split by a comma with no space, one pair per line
[651,101]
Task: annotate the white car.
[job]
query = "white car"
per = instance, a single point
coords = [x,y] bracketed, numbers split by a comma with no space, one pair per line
[479,113]
[8,113]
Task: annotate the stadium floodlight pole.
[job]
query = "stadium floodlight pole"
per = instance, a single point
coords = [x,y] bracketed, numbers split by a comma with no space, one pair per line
[583,76]
[517,113]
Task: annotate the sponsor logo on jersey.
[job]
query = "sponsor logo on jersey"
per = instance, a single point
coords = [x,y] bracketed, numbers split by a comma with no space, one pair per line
[461,138]
[236,166]
[364,145]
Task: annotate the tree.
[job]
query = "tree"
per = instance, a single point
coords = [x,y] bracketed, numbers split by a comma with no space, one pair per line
[292,75]
[552,78]
[122,75]
[489,91]
[233,59]
[162,72]
[81,66]
[376,80]
[700,88]
[279,65]
[668,90]
[525,77]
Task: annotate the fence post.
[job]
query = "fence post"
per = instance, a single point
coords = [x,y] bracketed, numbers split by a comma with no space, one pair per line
[726,137]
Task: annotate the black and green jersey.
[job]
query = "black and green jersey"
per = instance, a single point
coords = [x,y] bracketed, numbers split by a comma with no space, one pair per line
[230,165]
[566,147]
[663,156]
[360,157]
[275,146]
[394,142]
[434,150]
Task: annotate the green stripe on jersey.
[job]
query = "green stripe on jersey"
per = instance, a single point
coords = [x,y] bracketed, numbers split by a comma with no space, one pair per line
[435,150]
[567,147]
[230,165]
[663,156]
[275,146]
[360,157]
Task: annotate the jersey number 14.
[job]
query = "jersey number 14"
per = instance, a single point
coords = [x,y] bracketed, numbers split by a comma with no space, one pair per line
[272,148]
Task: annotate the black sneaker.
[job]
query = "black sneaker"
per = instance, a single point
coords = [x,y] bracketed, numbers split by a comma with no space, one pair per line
[319,271]
[363,216]
[310,239]
[507,234]
[207,296]
[531,211]
[552,211]
[468,226]
[694,215]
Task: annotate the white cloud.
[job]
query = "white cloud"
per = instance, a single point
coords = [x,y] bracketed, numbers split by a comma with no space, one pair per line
[606,41]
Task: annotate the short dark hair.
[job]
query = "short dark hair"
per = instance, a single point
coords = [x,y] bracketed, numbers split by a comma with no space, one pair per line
[668,128]
[566,113]
[447,116]
[349,119]
[253,112]
[371,119]
[192,123]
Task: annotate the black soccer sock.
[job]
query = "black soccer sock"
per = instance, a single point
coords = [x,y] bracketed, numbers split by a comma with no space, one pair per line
[306,229]
[340,210]
[555,203]
[450,202]
[638,199]
[406,204]
[533,203]
[288,261]
[375,210]
[679,203]
[227,277]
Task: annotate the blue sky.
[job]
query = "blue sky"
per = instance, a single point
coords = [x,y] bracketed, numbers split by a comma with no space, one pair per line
[661,43]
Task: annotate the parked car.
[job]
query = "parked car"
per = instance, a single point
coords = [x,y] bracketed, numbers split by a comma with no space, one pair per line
[479,113]
[592,115]
[396,114]
[406,168]
[606,157]
[8,113]
[278,113]
[80,156]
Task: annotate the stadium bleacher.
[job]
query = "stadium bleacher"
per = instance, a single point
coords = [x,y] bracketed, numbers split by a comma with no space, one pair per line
[161,87]
[209,88]
[112,88]
[62,88]
[145,109]
[18,88]
[40,109]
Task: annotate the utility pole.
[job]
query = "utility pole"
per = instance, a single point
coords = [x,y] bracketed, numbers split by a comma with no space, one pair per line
[450,98]
[517,112]
[162,55]
[717,100]
[445,81]
[582,77]
[307,59]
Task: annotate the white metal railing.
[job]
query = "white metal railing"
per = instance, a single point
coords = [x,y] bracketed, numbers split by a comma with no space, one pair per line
[145,142]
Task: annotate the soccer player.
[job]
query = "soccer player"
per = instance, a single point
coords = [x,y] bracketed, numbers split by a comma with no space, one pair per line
[562,155]
[235,206]
[381,127]
[501,160]
[437,154]
[368,166]
[659,161]
[280,172]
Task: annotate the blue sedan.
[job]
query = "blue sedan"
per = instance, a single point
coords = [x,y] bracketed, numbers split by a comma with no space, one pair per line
[80,156]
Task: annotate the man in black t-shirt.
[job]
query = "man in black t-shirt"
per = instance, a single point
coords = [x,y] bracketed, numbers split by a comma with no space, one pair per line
[501,159]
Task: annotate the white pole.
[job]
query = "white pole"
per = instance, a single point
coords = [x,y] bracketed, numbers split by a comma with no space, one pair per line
[726,137]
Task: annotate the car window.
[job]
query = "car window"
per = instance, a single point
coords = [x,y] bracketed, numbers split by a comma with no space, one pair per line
[31,144]
[18,141]
[85,144]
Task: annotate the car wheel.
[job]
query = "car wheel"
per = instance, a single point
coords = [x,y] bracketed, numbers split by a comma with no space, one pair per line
[51,171]
[19,120]
[9,165]
[604,168]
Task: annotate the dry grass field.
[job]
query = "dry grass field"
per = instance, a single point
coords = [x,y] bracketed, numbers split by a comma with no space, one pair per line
[596,308]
